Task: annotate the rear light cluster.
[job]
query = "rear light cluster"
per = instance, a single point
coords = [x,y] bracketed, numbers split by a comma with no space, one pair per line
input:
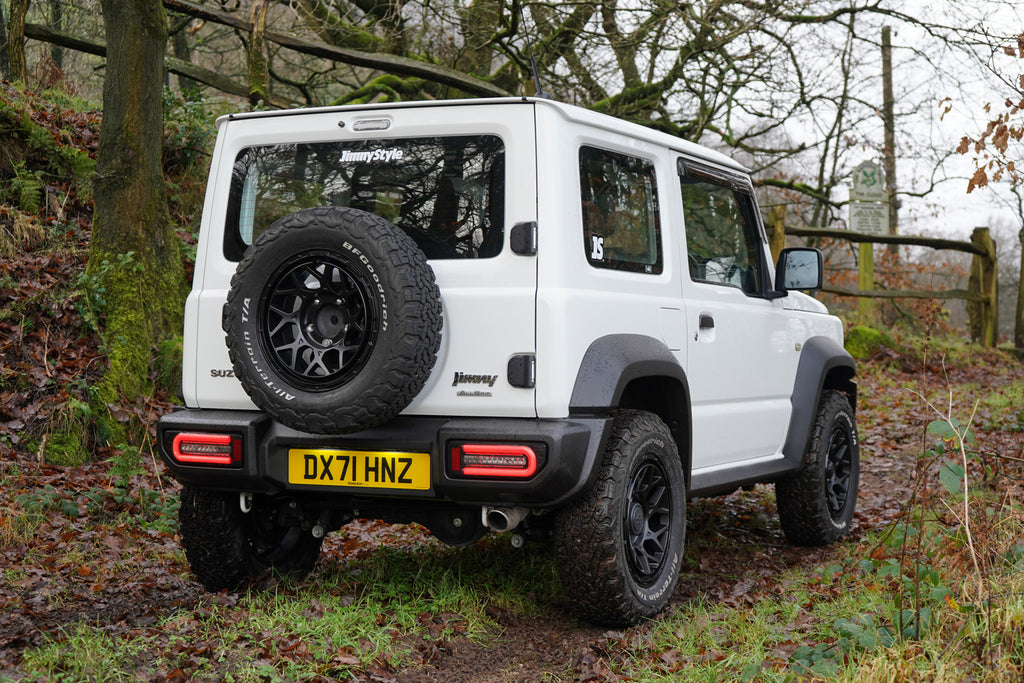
[506,461]
[207,449]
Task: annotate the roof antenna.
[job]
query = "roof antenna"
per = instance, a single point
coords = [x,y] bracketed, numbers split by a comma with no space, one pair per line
[533,63]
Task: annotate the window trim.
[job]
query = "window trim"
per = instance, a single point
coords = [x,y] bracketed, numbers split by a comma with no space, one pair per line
[743,188]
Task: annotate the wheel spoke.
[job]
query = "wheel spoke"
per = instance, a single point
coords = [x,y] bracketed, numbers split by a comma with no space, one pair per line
[290,350]
[648,520]
[318,321]
[837,472]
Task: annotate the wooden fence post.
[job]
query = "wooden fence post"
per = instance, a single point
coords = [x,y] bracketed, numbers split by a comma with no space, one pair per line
[1018,325]
[777,242]
[984,315]
[866,282]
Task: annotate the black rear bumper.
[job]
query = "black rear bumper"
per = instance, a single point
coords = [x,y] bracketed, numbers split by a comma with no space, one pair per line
[571,448]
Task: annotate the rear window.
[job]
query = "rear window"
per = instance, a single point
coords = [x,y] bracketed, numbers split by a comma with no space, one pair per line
[447,193]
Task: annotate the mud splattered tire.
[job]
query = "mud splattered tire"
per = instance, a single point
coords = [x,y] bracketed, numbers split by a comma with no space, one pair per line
[816,506]
[333,320]
[226,547]
[620,546]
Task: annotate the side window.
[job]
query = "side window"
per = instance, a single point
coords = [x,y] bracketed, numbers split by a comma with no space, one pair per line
[722,239]
[621,227]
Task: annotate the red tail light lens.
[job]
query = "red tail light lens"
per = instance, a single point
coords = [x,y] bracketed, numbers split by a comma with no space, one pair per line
[494,460]
[207,449]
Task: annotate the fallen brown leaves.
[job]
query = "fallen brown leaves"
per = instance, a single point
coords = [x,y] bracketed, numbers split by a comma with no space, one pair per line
[87,546]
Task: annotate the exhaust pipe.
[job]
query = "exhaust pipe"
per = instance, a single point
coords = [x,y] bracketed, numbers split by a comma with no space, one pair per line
[503,519]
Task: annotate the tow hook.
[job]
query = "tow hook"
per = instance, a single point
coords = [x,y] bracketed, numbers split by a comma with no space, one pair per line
[245,502]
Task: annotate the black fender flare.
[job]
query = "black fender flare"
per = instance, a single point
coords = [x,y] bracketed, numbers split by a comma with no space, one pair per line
[824,364]
[613,362]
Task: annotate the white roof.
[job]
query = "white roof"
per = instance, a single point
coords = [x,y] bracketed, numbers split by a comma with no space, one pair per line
[570,112]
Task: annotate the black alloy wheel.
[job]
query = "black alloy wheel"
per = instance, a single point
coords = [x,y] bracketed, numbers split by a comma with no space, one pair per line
[817,503]
[333,320]
[647,521]
[319,321]
[838,471]
[620,545]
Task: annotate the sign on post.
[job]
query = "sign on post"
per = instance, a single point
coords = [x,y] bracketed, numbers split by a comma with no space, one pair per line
[869,207]
[870,218]
[869,214]
[868,183]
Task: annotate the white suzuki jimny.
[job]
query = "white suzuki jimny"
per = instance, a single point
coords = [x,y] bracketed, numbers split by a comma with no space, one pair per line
[508,314]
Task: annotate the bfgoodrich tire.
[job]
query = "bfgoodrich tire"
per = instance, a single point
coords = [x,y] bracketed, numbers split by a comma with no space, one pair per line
[620,546]
[226,547]
[333,320]
[816,506]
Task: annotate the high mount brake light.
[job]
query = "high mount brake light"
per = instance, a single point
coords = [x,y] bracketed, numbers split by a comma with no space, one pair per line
[494,460]
[207,449]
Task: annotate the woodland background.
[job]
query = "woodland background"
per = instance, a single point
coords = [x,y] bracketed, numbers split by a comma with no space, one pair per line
[106,113]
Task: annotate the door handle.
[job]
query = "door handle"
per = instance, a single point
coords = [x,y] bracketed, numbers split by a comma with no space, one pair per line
[706,322]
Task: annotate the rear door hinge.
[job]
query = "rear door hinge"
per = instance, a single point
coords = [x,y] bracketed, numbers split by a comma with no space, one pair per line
[522,371]
[523,238]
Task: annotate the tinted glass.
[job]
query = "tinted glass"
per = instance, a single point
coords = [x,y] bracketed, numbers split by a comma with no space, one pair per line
[721,241]
[621,227]
[447,193]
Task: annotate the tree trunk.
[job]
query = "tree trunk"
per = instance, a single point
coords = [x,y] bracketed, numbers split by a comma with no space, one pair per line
[182,50]
[889,149]
[57,22]
[5,65]
[1018,325]
[259,68]
[135,257]
[16,40]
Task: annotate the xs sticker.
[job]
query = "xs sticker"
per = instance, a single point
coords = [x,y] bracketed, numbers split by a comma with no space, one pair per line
[596,248]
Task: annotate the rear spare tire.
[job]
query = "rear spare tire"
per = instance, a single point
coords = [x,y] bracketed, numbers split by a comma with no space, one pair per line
[333,320]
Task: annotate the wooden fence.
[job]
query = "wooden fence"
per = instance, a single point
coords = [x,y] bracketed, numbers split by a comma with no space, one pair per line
[982,286]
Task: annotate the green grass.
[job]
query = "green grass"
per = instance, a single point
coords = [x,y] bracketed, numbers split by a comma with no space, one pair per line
[351,615]
[79,653]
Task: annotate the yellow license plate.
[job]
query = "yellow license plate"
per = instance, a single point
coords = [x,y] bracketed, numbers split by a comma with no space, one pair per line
[365,469]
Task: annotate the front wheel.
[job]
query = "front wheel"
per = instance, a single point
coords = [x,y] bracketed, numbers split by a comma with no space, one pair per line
[816,505]
[225,546]
[620,546]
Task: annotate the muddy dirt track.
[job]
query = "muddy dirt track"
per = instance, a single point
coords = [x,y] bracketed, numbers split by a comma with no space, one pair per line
[736,549]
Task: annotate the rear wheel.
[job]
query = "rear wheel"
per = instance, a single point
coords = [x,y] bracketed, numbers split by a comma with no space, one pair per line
[620,546]
[816,506]
[225,546]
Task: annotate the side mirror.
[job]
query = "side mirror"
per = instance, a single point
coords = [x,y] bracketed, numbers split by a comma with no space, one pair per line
[799,268]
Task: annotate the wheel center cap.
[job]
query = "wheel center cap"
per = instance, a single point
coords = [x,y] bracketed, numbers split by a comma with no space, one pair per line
[330,321]
[636,518]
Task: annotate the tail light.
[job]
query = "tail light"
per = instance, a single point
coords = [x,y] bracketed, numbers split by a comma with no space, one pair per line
[494,460]
[207,449]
